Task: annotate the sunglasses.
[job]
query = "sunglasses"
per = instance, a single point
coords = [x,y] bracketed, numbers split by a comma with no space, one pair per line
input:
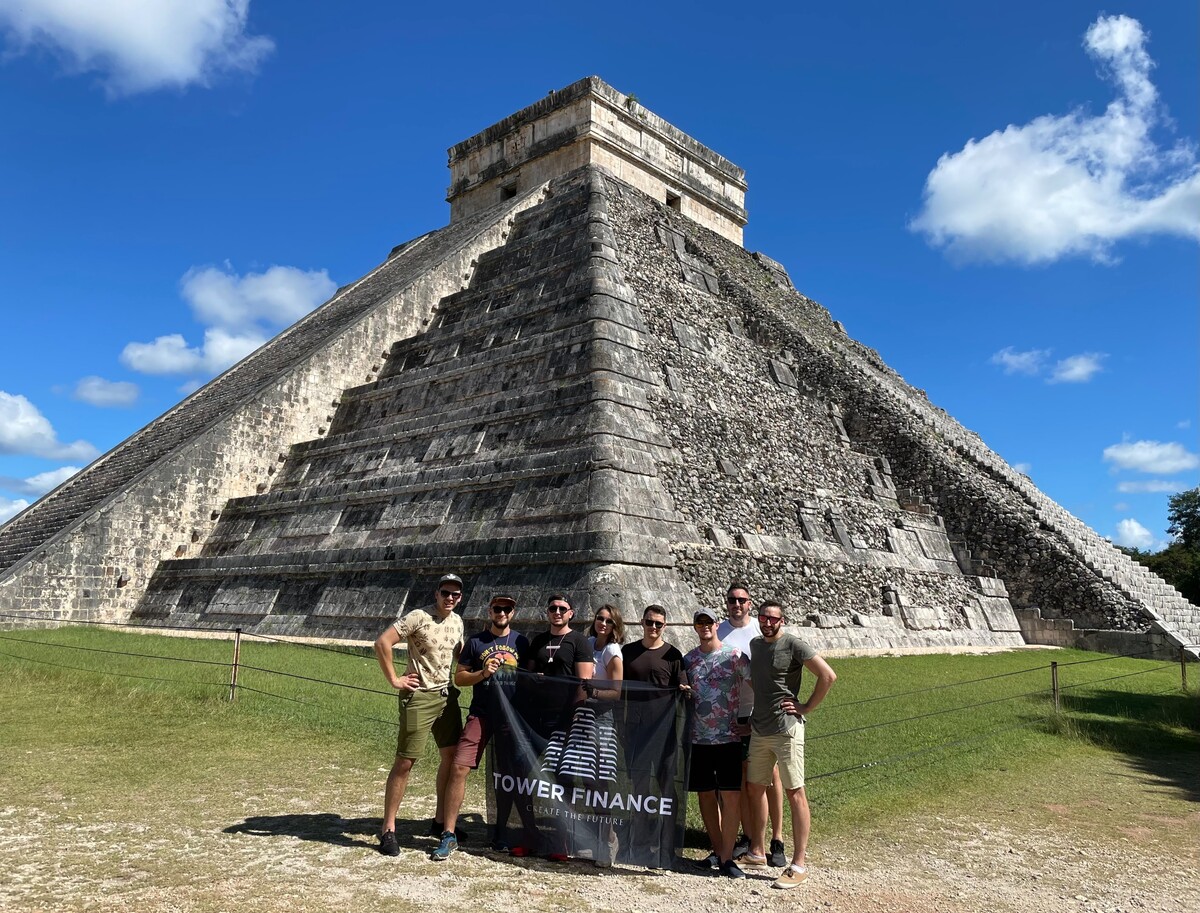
[656,625]
[770,619]
[736,600]
[503,609]
[450,594]
[603,621]
[558,610]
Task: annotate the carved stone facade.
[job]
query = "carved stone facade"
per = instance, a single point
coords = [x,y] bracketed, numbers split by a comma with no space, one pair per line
[579,389]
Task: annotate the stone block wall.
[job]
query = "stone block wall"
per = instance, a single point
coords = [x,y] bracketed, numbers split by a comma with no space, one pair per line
[87,550]
[904,452]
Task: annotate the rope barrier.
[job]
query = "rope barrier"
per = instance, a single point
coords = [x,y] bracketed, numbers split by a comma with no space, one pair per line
[922,716]
[173,659]
[971,681]
[1114,677]
[320,681]
[891,759]
[205,662]
[349,651]
[148,678]
[1104,659]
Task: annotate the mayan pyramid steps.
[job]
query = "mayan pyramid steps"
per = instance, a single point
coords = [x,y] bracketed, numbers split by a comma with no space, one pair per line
[584,383]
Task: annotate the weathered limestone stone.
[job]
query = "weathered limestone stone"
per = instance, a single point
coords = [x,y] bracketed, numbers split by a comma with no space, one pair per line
[591,123]
[582,389]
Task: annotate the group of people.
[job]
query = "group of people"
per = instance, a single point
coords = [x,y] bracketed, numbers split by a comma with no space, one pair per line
[743,678]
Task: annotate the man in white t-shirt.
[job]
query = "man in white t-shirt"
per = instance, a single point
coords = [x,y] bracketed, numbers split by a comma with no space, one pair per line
[737,631]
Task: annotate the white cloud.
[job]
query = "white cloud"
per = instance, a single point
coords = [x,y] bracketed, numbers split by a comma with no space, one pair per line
[240,312]
[1151,457]
[9,509]
[1069,184]
[1184,423]
[1121,507]
[24,430]
[1023,468]
[281,295]
[1014,362]
[1132,534]
[100,392]
[139,45]
[1077,369]
[39,484]
[1153,486]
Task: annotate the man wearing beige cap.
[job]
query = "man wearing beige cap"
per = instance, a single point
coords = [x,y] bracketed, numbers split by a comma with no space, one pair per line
[497,649]
[428,699]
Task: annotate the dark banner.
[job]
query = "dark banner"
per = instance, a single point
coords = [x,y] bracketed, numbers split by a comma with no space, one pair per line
[588,772]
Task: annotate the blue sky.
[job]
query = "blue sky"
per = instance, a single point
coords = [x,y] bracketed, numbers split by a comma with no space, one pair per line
[1001,198]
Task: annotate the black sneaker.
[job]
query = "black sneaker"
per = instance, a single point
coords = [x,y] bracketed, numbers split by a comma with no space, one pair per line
[388,845]
[742,847]
[775,855]
[731,869]
[711,861]
[436,830]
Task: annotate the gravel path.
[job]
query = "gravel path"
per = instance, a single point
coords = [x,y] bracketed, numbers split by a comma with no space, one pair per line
[1137,853]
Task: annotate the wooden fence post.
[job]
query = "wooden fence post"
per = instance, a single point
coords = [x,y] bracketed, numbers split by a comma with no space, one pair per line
[237,655]
[1054,684]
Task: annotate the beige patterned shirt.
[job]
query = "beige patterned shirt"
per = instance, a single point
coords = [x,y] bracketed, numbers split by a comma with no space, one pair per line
[431,645]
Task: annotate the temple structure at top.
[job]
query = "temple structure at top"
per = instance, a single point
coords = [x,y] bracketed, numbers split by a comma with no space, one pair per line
[591,123]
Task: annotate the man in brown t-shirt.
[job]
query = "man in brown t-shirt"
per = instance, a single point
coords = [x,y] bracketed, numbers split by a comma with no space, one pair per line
[428,701]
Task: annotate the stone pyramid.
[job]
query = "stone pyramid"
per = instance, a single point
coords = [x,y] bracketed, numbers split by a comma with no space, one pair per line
[583,384]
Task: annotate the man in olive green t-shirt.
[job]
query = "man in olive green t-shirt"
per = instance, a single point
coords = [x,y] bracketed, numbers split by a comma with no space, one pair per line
[777,662]
[428,699]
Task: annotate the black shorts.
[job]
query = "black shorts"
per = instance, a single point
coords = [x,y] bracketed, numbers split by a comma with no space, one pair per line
[716,767]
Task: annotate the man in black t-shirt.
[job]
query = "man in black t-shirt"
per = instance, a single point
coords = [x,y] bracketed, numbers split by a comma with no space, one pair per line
[652,660]
[652,754]
[557,653]
[496,650]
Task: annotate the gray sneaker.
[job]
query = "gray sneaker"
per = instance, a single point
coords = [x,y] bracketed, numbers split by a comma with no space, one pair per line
[448,844]
[741,847]
[775,855]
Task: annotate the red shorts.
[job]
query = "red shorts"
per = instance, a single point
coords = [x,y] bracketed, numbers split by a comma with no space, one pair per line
[472,742]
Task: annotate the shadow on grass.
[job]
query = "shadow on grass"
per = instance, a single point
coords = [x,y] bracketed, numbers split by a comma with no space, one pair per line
[1158,733]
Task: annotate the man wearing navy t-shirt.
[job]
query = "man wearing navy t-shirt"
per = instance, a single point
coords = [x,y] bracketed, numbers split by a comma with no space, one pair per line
[495,649]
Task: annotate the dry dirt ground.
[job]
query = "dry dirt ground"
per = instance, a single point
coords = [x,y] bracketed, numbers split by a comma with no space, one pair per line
[1126,843]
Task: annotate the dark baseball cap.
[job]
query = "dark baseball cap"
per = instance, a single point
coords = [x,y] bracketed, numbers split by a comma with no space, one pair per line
[451,578]
[703,613]
[501,599]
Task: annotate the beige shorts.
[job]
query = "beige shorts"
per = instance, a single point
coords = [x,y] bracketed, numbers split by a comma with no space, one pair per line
[422,712]
[784,748]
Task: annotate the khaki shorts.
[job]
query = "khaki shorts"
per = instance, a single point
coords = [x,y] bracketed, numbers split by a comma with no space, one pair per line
[422,712]
[786,748]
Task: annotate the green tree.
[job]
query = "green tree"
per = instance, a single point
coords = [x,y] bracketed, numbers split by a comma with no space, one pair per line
[1183,510]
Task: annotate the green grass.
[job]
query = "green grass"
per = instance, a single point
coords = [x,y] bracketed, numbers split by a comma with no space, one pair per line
[883,744]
